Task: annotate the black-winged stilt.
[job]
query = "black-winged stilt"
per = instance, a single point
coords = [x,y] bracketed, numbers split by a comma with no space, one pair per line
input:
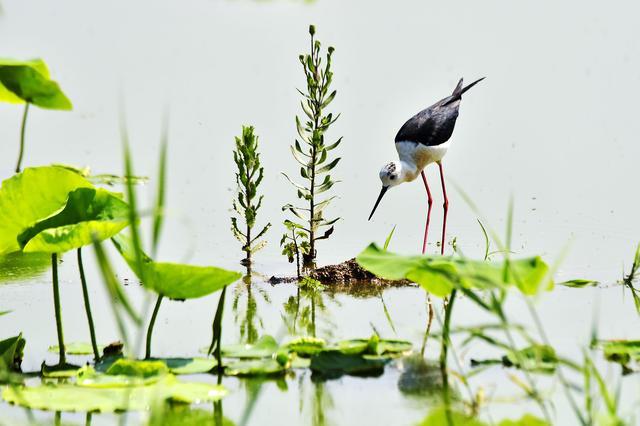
[423,140]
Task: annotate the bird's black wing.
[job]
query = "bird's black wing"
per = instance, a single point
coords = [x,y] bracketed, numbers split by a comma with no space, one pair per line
[431,126]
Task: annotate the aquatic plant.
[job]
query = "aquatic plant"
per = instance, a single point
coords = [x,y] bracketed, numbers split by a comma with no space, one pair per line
[312,153]
[29,83]
[248,178]
[53,210]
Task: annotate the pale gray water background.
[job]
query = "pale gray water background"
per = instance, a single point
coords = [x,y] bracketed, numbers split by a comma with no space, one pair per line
[554,125]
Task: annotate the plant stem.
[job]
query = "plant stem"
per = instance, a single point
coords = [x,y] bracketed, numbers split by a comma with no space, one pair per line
[152,323]
[443,356]
[216,340]
[56,306]
[87,307]
[22,129]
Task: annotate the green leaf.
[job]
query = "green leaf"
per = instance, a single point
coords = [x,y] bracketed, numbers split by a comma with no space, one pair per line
[68,397]
[188,365]
[538,358]
[329,166]
[622,352]
[11,351]
[255,367]
[439,275]
[173,280]
[28,81]
[306,346]
[89,214]
[388,240]
[185,416]
[76,348]
[264,347]
[579,283]
[135,368]
[33,195]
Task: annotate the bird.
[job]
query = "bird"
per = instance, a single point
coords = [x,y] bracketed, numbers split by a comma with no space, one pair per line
[422,140]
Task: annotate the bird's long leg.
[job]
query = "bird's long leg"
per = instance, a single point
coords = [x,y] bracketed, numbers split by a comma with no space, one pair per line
[430,202]
[445,206]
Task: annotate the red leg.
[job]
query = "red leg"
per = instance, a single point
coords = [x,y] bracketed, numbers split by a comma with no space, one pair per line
[445,206]
[430,202]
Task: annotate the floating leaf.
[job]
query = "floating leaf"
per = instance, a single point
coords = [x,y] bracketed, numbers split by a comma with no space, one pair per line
[59,371]
[135,368]
[255,367]
[29,81]
[579,283]
[89,214]
[266,346]
[76,348]
[439,275]
[68,397]
[88,377]
[374,346]
[173,280]
[30,196]
[172,415]
[332,364]
[189,365]
[306,346]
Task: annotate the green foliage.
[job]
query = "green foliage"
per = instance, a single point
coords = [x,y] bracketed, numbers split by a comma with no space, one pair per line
[264,347]
[439,416]
[294,243]
[248,178]
[135,368]
[623,352]
[108,399]
[76,348]
[578,283]
[188,365]
[88,214]
[311,151]
[11,353]
[29,81]
[440,275]
[173,280]
[31,196]
[255,367]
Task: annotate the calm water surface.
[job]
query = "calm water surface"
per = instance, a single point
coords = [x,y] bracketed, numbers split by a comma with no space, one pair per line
[554,125]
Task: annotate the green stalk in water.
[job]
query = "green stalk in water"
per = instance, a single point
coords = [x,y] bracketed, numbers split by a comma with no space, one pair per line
[152,323]
[87,307]
[56,304]
[22,131]
[216,340]
[443,356]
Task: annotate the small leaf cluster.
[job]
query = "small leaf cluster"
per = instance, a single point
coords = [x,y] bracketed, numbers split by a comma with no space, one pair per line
[248,177]
[310,150]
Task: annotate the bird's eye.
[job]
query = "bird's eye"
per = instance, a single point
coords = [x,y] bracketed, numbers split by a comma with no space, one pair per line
[392,177]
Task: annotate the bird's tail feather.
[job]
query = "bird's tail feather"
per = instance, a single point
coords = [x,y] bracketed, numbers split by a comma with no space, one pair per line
[459,90]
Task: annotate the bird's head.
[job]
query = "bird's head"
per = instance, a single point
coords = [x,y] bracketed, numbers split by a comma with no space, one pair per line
[390,176]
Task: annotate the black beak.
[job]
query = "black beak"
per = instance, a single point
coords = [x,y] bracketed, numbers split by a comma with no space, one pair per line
[382,191]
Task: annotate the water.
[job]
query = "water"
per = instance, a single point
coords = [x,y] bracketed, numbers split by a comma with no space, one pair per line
[553,125]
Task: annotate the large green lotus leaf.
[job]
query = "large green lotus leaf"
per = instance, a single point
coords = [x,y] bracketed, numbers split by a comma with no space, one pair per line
[264,347]
[90,213]
[68,397]
[439,275]
[19,266]
[29,81]
[174,280]
[31,196]
[186,416]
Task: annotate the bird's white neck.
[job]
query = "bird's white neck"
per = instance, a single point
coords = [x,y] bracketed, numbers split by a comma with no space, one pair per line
[408,171]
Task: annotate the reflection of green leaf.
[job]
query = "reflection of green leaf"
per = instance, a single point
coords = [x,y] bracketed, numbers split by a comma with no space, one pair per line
[332,364]
[68,397]
[189,365]
[89,214]
[76,348]
[264,347]
[29,81]
[173,280]
[30,196]
[19,266]
[439,275]
[438,416]
[255,367]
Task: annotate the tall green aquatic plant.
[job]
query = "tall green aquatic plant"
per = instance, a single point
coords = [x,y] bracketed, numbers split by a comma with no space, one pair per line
[29,83]
[248,178]
[311,151]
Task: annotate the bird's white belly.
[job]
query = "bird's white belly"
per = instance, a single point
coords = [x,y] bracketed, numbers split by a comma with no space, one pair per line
[421,155]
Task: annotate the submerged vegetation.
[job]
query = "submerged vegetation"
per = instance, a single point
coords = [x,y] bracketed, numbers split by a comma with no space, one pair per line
[48,211]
